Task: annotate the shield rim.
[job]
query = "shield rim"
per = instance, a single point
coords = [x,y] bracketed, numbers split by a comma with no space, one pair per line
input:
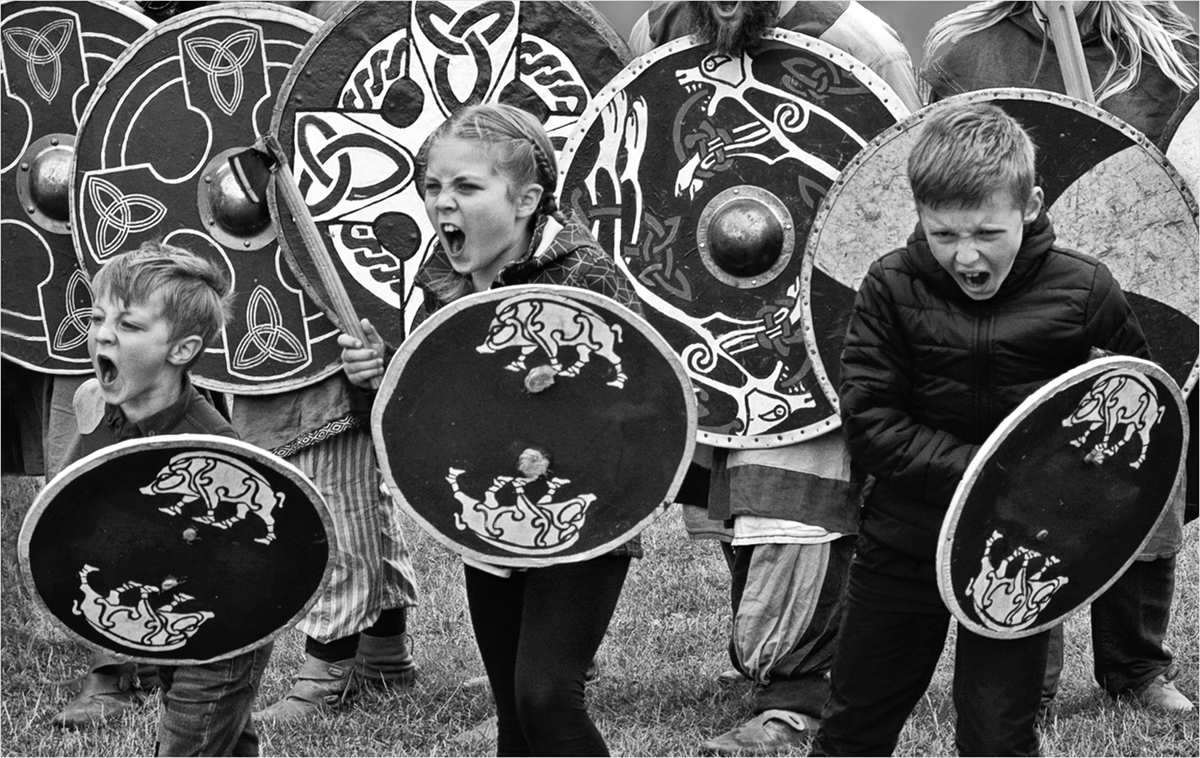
[392,377]
[182,443]
[999,436]
[825,209]
[1182,111]
[316,290]
[142,20]
[873,81]
[250,10]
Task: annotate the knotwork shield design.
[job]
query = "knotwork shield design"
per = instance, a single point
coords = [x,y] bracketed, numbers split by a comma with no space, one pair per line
[701,174]
[370,87]
[1110,193]
[179,549]
[152,162]
[1062,497]
[534,424]
[52,55]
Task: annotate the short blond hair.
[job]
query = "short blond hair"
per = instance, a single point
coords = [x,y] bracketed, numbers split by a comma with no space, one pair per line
[966,152]
[194,292]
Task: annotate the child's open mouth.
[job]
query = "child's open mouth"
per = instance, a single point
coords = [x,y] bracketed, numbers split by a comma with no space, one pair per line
[976,280]
[454,238]
[106,370]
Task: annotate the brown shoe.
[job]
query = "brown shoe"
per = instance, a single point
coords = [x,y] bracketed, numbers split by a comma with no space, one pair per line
[104,694]
[769,733]
[385,661]
[319,686]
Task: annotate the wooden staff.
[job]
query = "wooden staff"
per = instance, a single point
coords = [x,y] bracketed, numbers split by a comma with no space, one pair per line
[1065,33]
[250,166]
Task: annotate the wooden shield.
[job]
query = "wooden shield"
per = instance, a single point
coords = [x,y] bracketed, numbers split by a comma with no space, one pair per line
[375,81]
[177,549]
[1181,141]
[152,162]
[52,55]
[701,174]
[534,424]
[1109,192]
[1062,497]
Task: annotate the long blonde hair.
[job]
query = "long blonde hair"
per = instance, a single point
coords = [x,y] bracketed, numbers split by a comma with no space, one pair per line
[1130,29]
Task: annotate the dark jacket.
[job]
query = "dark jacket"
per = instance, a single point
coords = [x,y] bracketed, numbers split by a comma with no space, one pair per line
[1015,53]
[99,424]
[928,373]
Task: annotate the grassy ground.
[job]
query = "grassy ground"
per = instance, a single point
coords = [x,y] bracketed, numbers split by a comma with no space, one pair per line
[656,696]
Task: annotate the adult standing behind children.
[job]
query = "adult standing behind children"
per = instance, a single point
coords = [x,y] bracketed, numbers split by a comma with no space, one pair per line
[488,176]
[1142,62]
[794,509]
[154,310]
[948,335]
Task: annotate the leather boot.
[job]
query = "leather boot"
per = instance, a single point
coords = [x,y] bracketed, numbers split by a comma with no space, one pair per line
[319,686]
[105,692]
[385,661]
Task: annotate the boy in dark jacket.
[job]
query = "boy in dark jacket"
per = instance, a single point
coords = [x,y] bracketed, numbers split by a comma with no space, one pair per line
[154,311]
[949,334]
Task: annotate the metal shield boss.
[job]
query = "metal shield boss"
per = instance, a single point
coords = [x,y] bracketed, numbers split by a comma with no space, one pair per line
[152,162]
[370,87]
[1062,497]
[53,55]
[534,424]
[178,549]
[701,174]
[1109,193]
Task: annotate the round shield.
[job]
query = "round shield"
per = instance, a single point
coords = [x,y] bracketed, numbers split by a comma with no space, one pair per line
[1181,141]
[179,549]
[701,174]
[1062,497]
[375,81]
[1109,193]
[534,424]
[152,161]
[51,57]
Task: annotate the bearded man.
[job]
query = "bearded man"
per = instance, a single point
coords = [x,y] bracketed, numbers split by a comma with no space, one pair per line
[794,509]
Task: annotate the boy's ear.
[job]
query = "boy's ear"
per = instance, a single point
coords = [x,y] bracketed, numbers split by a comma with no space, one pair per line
[185,350]
[1034,206]
[528,200]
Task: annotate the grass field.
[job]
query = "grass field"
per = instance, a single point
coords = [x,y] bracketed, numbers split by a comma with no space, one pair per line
[657,694]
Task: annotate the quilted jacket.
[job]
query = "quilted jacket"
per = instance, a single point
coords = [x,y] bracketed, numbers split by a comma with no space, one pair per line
[928,373]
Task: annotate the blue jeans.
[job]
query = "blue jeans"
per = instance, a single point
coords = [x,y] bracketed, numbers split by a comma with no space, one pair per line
[206,709]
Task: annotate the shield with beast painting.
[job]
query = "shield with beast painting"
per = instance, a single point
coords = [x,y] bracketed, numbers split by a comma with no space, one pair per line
[52,55]
[1062,497]
[701,173]
[375,81]
[534,424]
[152,162]
[177,549]
[1108,191]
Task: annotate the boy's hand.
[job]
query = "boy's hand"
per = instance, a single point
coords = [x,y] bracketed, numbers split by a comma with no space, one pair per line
[362,363]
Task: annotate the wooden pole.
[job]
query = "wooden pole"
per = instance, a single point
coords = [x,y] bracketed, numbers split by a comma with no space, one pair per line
[1065,33]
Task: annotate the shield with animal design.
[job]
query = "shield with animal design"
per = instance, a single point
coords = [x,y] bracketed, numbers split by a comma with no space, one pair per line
[177,549]
[152,163]
[1108,191]
[1062,497]
[375,81]
[534,424]
[52,55]
[701,173]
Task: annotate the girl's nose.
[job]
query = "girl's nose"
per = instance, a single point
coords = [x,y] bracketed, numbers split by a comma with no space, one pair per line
[445,200]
